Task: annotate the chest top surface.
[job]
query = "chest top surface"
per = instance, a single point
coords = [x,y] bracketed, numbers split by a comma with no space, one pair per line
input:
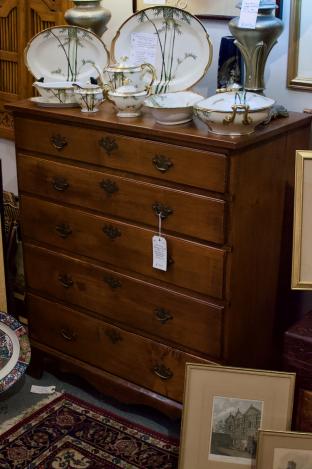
[194,133]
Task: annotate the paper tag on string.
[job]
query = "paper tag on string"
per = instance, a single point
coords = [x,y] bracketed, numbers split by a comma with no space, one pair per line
[42,389]
[160,256]
[159,253]
[248,14]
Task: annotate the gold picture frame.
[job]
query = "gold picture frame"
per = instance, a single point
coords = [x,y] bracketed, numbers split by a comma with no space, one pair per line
[218,400]
[301,278]
[289,450]
[299,73]
[206,9]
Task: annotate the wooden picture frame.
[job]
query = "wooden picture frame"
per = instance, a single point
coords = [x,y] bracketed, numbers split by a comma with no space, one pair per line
[301,278]
[299,70]
[224,408]
[289,450]
[205,9]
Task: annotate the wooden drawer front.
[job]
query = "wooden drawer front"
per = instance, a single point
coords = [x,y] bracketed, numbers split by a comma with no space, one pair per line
[168,162]
[182,212]
[140,305]
[191,265]
[130,356]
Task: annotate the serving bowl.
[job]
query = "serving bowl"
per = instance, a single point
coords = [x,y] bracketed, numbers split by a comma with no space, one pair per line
[173,108]
[234,113]
[58,91]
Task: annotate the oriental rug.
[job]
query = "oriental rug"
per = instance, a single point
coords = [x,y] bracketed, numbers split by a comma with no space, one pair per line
[68,433]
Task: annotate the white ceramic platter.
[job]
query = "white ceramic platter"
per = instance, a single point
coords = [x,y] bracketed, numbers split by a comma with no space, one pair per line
[65,53]
[44,102]
[172,40]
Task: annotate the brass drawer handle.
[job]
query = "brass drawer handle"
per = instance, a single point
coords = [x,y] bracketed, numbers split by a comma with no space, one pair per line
[60,184]
[162,210]
[162,372]
[162,315]
[112,282]
[111,231]
[58,141]
[63,230]
[110,187]
[170,261]
[113,335]
[108,144]
[65,280]
[162,163]
[67,334]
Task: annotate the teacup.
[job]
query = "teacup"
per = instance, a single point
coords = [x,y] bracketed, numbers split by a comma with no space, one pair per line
[89,97]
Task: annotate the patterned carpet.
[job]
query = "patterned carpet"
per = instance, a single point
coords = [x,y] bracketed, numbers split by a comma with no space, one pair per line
[68,433]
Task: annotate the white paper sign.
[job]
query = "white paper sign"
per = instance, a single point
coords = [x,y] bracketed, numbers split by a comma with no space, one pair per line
[155,2]
[143,48]
[248,14]
[159,253]
[42,389]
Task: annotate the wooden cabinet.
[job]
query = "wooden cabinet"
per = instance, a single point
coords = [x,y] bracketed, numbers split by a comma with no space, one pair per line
[92,188]
[20,20]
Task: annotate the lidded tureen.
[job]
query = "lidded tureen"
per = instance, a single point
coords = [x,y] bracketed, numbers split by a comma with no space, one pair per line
[233,112]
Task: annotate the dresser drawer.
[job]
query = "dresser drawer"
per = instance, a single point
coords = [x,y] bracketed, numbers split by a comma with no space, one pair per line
[127,300]
[194,215]
[190,265]
[140,360]
[168,162]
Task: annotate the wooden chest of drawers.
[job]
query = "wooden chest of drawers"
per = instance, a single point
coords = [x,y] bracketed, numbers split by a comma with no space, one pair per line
[92,189]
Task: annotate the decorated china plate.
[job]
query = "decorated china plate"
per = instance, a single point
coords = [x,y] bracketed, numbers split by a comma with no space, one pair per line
[45,102]
[14,351]
[172,40]
[65,53]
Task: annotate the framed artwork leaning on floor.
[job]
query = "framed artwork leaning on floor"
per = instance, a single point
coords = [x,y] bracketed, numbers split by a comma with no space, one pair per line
[302,232]
[224,408]
[284,450]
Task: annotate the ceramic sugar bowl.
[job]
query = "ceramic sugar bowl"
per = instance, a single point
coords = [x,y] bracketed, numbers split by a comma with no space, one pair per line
[140,77]
[128,102]
[89,97]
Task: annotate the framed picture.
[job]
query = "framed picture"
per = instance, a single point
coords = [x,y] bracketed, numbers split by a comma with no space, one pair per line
[209,9]
[302,232]
[299,70]
[284,450]
[223,410]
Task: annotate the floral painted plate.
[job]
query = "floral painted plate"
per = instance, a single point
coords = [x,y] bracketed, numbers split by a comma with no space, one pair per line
[65,53]
[172,40]
[14,351]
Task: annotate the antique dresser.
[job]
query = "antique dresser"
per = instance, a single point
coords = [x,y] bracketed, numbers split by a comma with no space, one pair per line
[92,188]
